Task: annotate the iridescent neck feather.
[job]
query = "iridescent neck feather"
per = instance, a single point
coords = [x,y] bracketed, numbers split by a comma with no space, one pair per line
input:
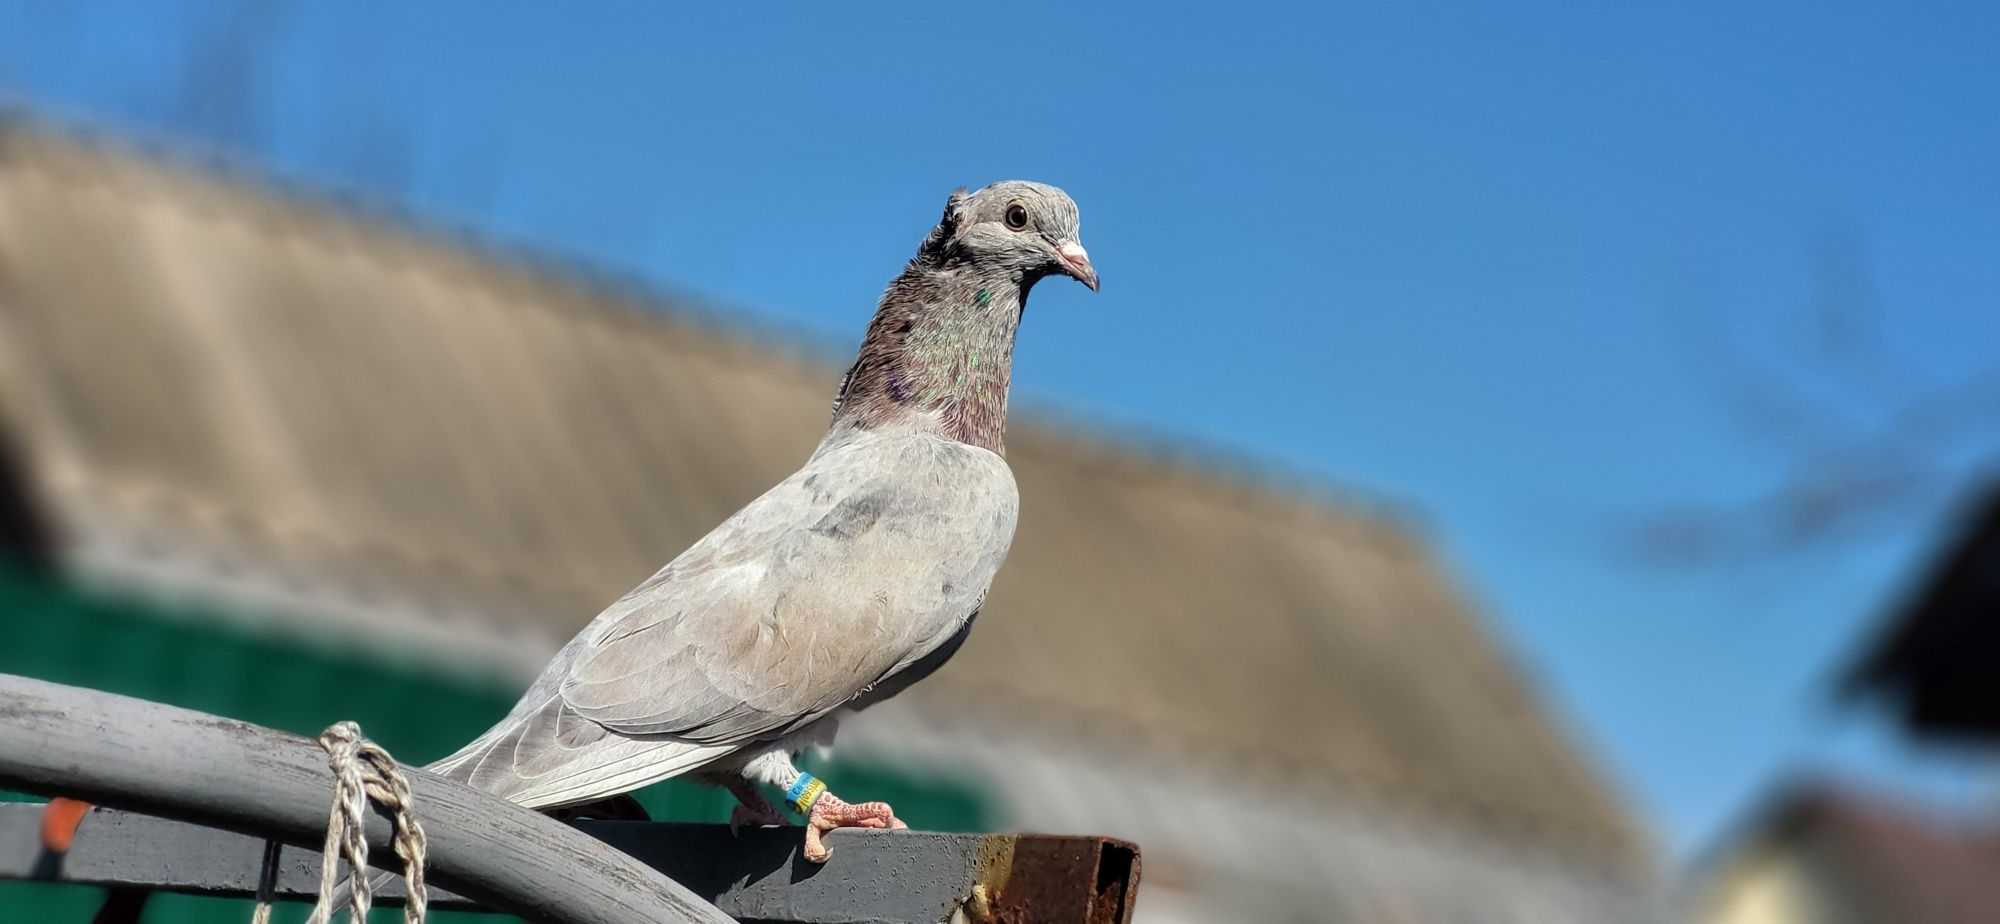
[939,353]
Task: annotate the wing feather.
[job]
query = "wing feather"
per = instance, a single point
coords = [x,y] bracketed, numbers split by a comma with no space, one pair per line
[861,563]
[865,563]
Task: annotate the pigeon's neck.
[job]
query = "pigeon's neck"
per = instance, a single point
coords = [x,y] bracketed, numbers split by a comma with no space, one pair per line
[939,354]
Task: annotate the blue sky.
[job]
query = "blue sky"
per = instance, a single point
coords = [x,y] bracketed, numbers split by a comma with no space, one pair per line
[1508,270]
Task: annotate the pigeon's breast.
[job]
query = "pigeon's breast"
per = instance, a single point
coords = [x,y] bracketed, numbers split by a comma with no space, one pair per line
[926,520]
[955,499]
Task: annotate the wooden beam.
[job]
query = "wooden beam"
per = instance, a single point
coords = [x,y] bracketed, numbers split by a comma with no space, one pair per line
[885,877]
[146,757]
[187,800]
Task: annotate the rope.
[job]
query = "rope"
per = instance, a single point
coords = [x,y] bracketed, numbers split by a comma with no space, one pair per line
[362,771]
[267,882]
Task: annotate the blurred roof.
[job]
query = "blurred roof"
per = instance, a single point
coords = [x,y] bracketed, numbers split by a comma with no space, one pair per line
[1937,663]
[462,456]
[1877,861]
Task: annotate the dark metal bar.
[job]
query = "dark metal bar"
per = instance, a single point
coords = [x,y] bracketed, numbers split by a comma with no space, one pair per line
[874,876]
[132,754]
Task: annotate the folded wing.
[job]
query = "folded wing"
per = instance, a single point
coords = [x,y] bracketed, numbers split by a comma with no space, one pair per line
[860,565]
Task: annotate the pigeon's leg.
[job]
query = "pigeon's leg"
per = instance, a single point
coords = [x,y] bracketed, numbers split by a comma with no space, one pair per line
[828,812]
[824,811]
[752,809]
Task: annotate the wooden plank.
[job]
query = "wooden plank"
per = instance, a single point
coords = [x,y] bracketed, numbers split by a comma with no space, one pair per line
[888,877]
[146,757]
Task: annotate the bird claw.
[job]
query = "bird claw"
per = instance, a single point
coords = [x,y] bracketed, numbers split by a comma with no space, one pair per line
[752,810]
[830,814]
[760,816]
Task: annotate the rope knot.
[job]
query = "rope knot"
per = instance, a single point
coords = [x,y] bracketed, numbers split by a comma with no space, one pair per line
[362,772]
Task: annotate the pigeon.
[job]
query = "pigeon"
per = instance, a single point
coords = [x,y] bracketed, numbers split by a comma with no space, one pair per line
[852,579]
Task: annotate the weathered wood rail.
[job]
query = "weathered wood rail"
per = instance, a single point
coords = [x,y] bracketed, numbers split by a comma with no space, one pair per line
[212,789]
[915,877]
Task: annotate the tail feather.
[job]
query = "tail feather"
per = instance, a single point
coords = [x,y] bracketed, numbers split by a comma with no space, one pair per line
[343,892]
[545,758]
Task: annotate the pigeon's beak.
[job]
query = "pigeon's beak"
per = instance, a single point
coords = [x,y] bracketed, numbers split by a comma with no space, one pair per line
[1076,262]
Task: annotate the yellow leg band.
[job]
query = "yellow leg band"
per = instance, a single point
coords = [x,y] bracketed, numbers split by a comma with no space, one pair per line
[807,794]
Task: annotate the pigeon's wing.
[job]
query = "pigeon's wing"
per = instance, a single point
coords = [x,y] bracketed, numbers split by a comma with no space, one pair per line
[545,755]
[866,562]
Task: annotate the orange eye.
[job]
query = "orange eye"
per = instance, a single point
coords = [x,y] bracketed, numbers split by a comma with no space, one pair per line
[1017,217]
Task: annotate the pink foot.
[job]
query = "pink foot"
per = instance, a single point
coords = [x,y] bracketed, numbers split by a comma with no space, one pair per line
[757,816]
[830,813]
[752,809]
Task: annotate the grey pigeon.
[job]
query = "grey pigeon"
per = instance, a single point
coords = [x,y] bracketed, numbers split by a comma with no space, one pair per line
[852,579]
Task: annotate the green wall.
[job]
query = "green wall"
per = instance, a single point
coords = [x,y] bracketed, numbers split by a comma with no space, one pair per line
[54,631]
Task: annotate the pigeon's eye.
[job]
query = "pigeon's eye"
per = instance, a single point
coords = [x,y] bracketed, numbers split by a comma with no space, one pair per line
[1017,217]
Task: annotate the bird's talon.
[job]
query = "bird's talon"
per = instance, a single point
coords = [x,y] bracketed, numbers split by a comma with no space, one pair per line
[744,816]
[830,814]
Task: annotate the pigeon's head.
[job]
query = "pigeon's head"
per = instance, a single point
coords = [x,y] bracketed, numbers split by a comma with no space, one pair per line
[1027,227]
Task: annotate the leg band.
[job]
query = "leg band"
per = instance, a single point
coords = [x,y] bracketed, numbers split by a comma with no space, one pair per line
[804,792]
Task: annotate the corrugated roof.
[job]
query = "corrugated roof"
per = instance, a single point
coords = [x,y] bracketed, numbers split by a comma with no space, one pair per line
[224,385]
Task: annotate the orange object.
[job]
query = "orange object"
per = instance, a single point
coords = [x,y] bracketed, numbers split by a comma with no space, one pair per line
[59,823]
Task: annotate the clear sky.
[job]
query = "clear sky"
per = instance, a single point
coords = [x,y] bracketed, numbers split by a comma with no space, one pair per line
[1532,274]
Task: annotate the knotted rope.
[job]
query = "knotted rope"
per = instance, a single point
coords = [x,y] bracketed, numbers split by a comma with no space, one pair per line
[362,771]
